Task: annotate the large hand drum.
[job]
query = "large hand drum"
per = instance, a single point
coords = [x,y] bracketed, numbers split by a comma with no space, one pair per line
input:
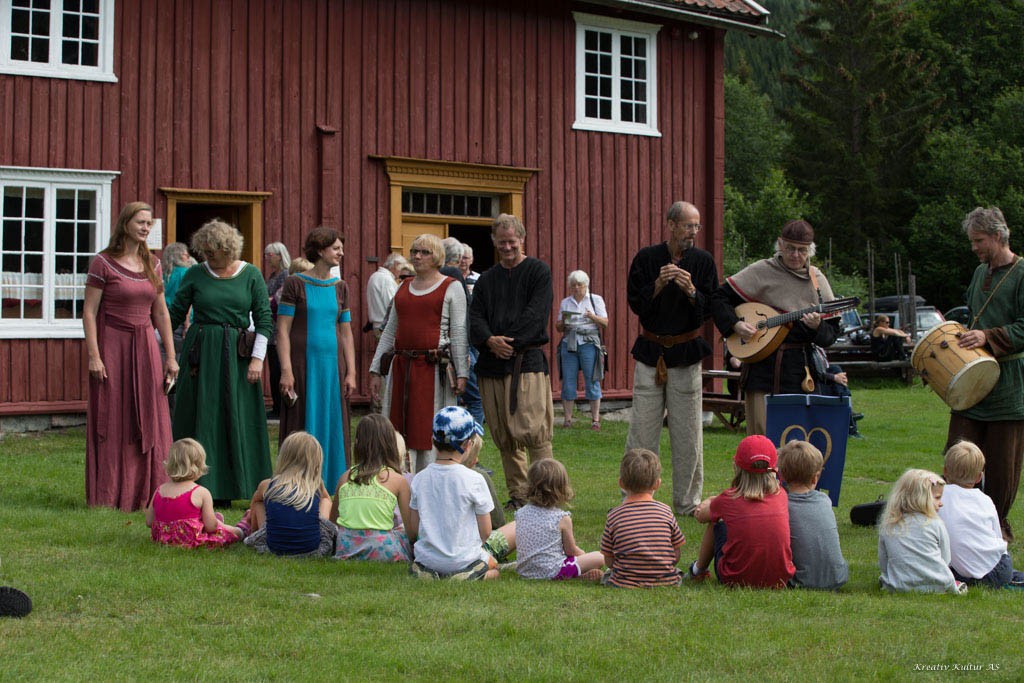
[961,377]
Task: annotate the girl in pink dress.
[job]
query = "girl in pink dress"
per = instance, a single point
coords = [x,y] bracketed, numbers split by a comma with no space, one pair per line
[181,512]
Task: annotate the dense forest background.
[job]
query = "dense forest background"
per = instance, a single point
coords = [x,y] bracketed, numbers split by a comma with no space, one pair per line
[882,122]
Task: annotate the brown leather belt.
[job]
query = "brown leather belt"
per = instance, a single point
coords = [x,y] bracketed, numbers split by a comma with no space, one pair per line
[517,370]
[666,341]
[669,340]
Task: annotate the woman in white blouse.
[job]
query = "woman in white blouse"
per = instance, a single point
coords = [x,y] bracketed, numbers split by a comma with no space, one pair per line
[426,332]
[581,317]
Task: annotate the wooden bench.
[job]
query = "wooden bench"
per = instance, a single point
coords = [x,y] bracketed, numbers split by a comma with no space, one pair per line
[859,361]
[873,368]
[730,410]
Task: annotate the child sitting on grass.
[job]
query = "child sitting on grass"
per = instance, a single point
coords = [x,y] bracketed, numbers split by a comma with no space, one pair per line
[290,513]
[181,511]
[813,533]
[641,538]
[545,546]
[450,510]
[748,524]
[472,461]
[976,546]
[367,495]
[913,545]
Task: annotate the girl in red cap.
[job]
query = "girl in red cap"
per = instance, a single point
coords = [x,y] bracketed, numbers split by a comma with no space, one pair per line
[748,524]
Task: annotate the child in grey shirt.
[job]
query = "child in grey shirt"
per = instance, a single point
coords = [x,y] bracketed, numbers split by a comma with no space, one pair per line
[913,545]
[813,533]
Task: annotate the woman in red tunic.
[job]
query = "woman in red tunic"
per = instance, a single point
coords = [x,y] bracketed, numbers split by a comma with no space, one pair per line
[426,330]
[129,427]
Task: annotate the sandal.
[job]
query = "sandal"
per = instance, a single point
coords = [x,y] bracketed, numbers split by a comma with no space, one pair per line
[567,424]
[595,425]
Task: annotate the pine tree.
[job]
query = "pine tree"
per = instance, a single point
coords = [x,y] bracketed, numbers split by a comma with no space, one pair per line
[864,109]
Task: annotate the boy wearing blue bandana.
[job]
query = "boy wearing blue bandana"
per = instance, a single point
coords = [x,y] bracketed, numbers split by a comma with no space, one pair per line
[450,509]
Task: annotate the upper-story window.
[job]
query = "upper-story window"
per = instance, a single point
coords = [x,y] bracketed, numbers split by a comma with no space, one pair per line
[58,38]
[52,223]
[616,84]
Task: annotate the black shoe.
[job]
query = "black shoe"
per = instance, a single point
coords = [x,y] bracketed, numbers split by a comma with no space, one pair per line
[856,435]
[14,603]
[857,416]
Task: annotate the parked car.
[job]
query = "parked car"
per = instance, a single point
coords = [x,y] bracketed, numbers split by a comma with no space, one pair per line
[893,302]
[854,329]
[958,314]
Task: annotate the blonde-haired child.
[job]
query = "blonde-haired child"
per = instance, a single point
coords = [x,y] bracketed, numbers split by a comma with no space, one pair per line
[976,546]
[913,545]
[472,461]
[181,511]
[291,511]
[813,532]
[748,524]
[545,545]
[368,494]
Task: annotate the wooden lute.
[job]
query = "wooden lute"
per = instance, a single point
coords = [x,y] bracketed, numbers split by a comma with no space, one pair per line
[772,327]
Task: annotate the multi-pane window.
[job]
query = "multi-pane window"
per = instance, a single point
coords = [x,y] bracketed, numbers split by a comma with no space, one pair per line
[615,75]
[449,204]
[51,224]
[57,38]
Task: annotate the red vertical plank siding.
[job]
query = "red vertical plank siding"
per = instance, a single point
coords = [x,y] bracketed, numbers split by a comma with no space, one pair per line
[7,110]
[75,131]
[20,368]
[11,374]
[237,100]
[228,95]
[181,87]
[58,102]
[38,154]
[253,71]
[143,108]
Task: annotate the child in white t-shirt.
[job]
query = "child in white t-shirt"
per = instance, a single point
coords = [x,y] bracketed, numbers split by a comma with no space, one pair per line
[450,510]
[976,546]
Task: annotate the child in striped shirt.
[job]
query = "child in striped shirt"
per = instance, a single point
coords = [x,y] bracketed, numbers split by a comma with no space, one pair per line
[641,539]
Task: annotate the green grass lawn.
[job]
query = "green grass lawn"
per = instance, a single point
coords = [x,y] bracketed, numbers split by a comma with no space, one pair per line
[110,604]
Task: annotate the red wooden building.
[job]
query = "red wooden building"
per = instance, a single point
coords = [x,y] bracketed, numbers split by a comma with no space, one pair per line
[385,118]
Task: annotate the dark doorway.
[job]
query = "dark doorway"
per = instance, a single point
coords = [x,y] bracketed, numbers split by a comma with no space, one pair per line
[191,217]
[478,237]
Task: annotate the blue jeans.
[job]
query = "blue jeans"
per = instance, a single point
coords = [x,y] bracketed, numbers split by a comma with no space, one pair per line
[584,358]
[470,399]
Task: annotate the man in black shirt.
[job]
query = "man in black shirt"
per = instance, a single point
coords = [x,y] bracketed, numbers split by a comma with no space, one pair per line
[509,318]
[669,288]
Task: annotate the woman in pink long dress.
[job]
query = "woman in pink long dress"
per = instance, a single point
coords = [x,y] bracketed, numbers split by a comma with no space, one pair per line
[129,427]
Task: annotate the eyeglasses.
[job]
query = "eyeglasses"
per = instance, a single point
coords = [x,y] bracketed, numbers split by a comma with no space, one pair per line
[793,249]
[690,226]
[422,252]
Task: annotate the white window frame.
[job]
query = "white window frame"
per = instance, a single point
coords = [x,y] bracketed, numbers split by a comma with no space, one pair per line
[618,28]
[103,71]
[51,180]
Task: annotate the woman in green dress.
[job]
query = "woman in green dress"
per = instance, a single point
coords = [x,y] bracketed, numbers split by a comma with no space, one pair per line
[220,393]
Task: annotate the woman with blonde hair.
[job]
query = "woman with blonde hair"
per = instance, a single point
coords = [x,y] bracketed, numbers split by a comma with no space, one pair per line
[426,334]
[128,425]
[220,396]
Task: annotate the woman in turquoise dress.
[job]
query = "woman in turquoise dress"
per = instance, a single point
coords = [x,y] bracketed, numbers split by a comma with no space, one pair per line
[220,393]
[317,353]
